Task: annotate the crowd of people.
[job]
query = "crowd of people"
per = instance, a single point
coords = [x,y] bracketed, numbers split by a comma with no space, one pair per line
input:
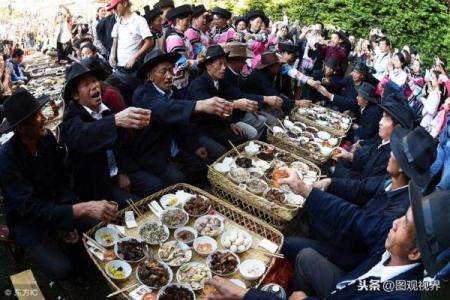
[154,97]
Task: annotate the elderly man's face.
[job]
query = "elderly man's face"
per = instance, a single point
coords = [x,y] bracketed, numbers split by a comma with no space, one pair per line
[357,76]
[216,69]
[88,93]
[361,101]
[162,76]
[401,237]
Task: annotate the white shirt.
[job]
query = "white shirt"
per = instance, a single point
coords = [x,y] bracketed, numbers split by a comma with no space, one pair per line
[381,271]
[380,65]
[94,114]
[130,35]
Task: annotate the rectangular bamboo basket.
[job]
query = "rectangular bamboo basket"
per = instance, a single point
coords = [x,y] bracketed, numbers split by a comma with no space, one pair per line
[295,116]
[234,218]
[278,216]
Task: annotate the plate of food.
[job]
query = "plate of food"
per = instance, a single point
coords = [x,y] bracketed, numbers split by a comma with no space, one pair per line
[193,274]
[275,195]
[185,234]
[301,167]
[209,225]
[154,232]
[174,217]
[223,262]
[197,206]
[175,253]
[237,241]
[176,291]
[106,237]
[239,175]
[252,269]
[169,200]
[118,270]
[256,186]
[131,249]
[154,274]
[244,162]
[252,149]
[204,245]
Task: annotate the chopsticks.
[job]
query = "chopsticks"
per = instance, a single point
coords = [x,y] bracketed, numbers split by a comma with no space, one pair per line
[100,247]
[135,208]
[268,127]
[136,284]
[234,148]
[282,125]
[267,253]
[155,208]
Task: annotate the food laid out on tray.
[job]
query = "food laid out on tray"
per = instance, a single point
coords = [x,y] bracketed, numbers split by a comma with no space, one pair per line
[257,188]
[155,256]
[324,118]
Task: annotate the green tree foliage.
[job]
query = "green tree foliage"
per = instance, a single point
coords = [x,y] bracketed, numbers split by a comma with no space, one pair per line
[422,24]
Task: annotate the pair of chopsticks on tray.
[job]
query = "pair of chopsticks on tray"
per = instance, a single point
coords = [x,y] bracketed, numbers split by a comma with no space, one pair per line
[134,285]
[97,245]
[267,253]
[135,208]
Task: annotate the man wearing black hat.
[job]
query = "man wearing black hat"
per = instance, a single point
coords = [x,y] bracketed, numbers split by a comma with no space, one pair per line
[101,164]
[171,135]
[394,269]
[327,76]
[370,114]
[387,196]
[211,84]
[222,32]
[176,42]
[290,75]
[38,201]
[346,101]
[371,159]
[154,20]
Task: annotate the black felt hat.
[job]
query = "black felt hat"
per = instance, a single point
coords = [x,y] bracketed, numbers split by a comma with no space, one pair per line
[75,72]
[221,12]
[255,14]
[154,58]
[289,47]
[19,107]
[398,110]
[367,91]
[164,3]
[213,52]
[197,10]
[181,12]
[151,14]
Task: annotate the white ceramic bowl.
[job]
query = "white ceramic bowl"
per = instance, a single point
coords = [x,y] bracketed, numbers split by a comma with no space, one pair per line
[101,233]
[183,247]
[202,219]
[252,269]
[261,164]
[323,135]
[203,240]
[169,200]
[222,168]
[199,285]
[165,228]
[252,149]
[333,142]
[174,209]
[116,248]
[326,151]
[163,289]
[116,264]
[239,233]
[166,267]
[209,259]
[185,228]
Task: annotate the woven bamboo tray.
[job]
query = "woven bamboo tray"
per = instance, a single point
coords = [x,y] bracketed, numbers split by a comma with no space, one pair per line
[278,216]
[235,218]
[339,132]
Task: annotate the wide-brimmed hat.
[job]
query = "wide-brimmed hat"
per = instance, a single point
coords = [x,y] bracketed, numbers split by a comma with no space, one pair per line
[398,110]
[367,91]
[289,47]
[239,19]
[361,68]
[255,14]
[331,62]
[197,10]
[432,221]
[20,106]
[114,4]
[154,58]
[415,152]
[213,52]
[75,72]
[221,12]
[236,49]
[164,3]
[268,59]
[181,12]
[151,14]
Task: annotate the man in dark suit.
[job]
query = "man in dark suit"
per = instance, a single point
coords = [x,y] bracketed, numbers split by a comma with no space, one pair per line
[370,114]
[399,250]
[104,30]
[41,210]
[171,136]
[92,132]
[371,159]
